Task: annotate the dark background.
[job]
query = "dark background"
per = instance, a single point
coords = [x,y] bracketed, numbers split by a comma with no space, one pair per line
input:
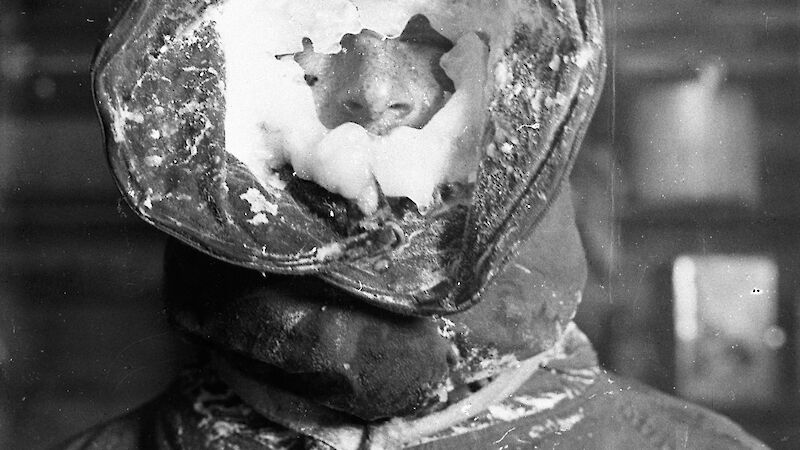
[83,336]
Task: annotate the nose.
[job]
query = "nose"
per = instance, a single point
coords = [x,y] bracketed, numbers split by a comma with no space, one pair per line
[384,84]
[377,104]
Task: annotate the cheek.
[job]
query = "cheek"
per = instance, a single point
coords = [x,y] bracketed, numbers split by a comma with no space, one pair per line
[429,61]
[329,75]
[325,74]
[316,67]
[427,80]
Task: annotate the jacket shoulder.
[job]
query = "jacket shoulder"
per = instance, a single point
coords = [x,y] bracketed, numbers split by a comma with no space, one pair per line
[612,413]
[132,431]
[658,420]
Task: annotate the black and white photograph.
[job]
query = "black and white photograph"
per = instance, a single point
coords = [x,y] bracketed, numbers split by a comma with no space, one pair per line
[399,224]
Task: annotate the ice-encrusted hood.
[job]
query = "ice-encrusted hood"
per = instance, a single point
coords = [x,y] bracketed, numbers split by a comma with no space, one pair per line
[159,83]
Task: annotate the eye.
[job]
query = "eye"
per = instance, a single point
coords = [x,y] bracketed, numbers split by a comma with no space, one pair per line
[313,64]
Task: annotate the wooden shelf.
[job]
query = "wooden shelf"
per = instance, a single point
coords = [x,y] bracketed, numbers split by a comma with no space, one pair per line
[706,214]
[677,64]
[669,40]
[649,15]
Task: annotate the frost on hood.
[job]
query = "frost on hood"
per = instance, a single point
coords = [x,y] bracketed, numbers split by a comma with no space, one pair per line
[192,134]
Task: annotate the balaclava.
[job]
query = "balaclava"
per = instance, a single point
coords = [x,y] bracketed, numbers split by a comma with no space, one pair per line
[377,268]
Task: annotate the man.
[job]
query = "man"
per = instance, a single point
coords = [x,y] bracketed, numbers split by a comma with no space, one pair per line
[371,234]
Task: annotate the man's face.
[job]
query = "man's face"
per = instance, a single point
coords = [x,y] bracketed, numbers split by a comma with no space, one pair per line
[373,97]
[380,83]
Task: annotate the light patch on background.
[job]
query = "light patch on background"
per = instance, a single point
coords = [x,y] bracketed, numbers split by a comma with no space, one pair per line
[696,140]
[725,311]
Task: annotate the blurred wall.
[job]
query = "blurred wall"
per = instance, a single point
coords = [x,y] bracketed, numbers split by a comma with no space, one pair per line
[694,151]
[82,333]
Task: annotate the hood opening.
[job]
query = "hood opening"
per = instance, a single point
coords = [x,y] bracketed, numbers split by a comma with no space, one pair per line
[278,121]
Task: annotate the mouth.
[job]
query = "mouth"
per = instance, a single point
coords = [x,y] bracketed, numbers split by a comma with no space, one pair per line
[348,171]
[348,218]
